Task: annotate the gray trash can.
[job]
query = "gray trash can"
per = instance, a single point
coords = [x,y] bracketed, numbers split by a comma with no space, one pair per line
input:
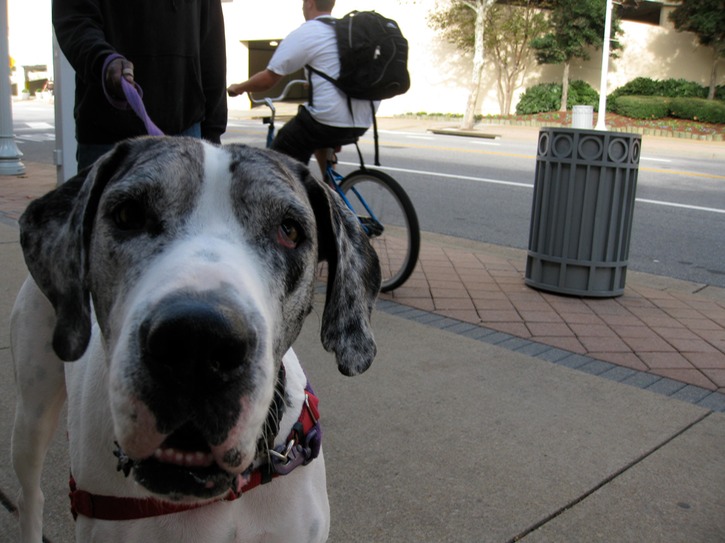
[581,217]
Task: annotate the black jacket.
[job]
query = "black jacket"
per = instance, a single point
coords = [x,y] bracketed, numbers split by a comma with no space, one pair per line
[179,55]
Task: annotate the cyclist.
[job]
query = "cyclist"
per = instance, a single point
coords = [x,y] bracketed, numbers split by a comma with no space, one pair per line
[328,120]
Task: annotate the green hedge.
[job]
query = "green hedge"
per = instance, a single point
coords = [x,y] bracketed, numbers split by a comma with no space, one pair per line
[671,88]
[658,107]
[641,107]
[698,109]
[546,97]
[641,98]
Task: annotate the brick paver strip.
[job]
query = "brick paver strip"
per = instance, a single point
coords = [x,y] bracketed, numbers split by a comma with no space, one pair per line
[707,399]
[655,324]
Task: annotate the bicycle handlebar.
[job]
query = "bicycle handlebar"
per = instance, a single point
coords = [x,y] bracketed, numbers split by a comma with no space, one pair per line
[268,101]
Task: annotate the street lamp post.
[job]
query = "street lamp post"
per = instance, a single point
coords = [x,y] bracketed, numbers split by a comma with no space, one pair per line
[601,124]
[9,153]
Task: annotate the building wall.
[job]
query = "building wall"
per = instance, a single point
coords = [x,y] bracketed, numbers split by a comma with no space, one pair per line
[440,74]
[30,33]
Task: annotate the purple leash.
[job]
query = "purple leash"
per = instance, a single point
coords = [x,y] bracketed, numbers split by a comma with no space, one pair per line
[134,99]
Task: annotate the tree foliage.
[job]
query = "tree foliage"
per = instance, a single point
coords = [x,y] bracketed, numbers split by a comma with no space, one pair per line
[511,29]
[455,24]
[510,26]
[458,9]
[706,19]
[577,27]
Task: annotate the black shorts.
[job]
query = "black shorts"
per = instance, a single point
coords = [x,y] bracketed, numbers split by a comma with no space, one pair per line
[302,135]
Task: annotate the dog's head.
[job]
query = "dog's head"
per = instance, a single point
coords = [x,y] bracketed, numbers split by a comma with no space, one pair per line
[200,261]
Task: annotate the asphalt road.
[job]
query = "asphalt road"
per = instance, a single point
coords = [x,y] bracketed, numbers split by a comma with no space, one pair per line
[481,189]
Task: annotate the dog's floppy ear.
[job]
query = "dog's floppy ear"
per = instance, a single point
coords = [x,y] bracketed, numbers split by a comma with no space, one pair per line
[353,280]
[55,234]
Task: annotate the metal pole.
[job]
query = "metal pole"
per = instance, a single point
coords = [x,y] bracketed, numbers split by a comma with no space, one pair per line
[9,153]
[601,123]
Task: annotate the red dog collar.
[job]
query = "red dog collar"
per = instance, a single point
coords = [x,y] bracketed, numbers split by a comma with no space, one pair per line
[302,446]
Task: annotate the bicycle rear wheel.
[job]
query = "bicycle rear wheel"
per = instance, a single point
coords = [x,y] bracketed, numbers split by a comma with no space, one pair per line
[387,213]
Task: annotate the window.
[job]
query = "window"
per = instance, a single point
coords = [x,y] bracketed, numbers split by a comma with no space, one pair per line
[640,11]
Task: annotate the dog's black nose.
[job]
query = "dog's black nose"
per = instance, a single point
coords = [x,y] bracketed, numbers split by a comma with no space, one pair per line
[196,343]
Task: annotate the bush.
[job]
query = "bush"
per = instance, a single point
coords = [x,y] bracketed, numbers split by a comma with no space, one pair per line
[698,109]
[658,107]
[581,93]
[681,88]
[671,88]
[546,97]
[641,107]
[640,86]
[539,99]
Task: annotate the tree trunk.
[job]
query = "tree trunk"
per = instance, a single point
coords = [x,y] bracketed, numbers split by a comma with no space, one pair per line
[469,117]
[564,88]
[713,75]
[510,88]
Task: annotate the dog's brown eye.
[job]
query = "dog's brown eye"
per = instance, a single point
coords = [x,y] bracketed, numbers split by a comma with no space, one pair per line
[290,233]
[130,215]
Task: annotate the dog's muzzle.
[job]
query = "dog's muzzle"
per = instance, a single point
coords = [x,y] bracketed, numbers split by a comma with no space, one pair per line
[197,360]
[195,346]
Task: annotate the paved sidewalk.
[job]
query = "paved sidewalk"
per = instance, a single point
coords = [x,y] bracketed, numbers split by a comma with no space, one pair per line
[471,424]
[662,332]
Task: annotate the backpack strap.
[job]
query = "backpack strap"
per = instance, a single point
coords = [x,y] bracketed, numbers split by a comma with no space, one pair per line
[375,134]
[330,21]
[321,74]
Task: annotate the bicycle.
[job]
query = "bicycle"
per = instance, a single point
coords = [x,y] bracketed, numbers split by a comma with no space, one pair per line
[382,206]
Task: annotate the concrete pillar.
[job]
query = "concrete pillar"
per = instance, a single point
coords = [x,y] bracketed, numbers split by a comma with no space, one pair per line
[10,163]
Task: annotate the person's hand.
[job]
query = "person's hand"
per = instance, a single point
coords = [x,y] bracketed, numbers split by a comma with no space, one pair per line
[235,90]
[118,69]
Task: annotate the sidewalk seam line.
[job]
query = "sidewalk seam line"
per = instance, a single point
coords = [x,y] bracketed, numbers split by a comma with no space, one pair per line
[607,480]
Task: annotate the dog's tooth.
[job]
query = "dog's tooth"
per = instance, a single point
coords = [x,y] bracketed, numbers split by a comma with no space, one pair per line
[181,458]
[203,459]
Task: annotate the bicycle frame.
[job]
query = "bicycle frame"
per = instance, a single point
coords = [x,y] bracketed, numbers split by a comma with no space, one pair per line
[335,179]
[269,102]
[401,259]
[333,176]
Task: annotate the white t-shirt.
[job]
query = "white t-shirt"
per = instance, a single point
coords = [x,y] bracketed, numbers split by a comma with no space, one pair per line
[314,43]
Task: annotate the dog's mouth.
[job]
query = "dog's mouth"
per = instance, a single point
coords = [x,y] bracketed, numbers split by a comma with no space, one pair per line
[182,466]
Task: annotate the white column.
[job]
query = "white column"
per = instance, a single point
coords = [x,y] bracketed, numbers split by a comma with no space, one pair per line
[601,124]
[9,153]
[64,95]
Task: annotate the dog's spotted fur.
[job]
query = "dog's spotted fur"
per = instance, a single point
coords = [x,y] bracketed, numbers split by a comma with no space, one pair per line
[197,263]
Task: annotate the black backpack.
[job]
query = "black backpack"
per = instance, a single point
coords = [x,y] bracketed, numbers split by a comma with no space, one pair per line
[373,56]
[373,59]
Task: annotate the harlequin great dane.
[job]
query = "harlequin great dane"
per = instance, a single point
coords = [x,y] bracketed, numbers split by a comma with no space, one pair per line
[173,278]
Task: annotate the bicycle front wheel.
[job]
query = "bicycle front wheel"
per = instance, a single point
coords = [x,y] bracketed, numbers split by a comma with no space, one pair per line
[388,215]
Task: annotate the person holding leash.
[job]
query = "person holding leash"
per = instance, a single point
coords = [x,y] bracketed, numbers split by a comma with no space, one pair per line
[174,49]
[327,120]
